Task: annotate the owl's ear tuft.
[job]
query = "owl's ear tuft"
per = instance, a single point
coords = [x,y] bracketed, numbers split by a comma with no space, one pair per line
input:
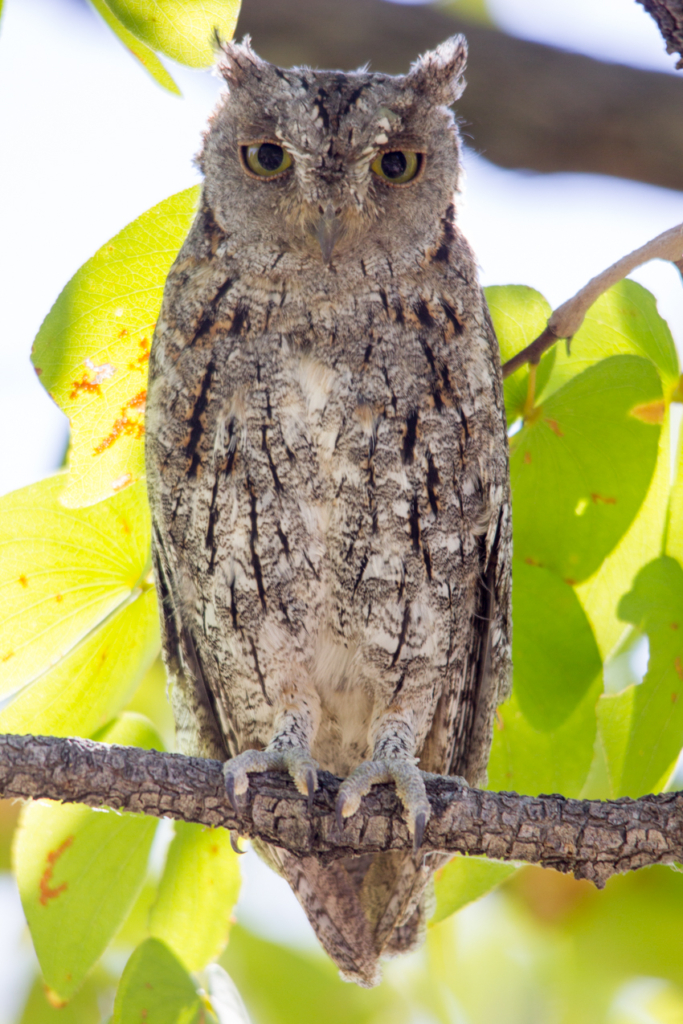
[438,73]
[237,62]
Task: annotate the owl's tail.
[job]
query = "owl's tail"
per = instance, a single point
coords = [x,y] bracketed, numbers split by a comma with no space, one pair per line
[363,908]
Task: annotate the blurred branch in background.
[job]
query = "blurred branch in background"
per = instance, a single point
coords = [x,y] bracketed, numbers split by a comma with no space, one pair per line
[592,839]
[526,106]
[669,17]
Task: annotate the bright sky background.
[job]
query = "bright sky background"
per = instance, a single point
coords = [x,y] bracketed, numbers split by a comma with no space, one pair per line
[89,142]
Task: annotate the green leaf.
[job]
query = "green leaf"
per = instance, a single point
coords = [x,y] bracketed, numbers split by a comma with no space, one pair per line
[642,727]
[528,761]
[156,989]
[554,653]
[92,350]
[139,50]
[79,873]
[674,533]
[78,619]
[46,1008]
[623,321]
[181,30]
[198,889]
[465,879]
[519,315]
[580,469]
[600,594]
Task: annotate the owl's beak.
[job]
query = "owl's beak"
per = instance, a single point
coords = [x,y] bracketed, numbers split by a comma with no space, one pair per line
[328,231]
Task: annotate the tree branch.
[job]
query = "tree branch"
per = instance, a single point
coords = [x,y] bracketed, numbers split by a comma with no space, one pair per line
[526,105]
[591,838]
[669,17]
[567,318]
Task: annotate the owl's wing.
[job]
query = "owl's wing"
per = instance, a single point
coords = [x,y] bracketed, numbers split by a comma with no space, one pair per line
[459,741]
[197,729]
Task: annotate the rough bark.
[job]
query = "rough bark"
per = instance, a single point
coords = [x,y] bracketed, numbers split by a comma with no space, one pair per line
[590,838]
[526,105]
[669,17]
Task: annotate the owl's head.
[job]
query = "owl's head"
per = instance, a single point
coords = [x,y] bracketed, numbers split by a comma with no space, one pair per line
[321,163]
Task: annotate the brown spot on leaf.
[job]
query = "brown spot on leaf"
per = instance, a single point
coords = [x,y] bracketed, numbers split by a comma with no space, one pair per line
[649,412]
[527,458]
[125,526]
[678,667]
[123,333]
[674,698]
[602,500]
[38,371]
[47,891]
[674,625]
[570,582]
[555,427]
[59,598]
[532,561]
[143,358]
[126,425]
[23,580]
[84,386]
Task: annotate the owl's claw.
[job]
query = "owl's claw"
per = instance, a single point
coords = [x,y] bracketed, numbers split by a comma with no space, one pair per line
[420,825]
[311,786]
[235,841]
[296,762]
[339,811]
[230,790]
[410,789]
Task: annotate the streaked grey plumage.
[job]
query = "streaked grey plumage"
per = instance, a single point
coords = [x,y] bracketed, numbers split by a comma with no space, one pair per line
[327,467]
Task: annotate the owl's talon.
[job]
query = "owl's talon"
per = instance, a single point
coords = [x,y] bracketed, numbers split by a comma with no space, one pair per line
[230,790]
[310,786]
[410,789]
[420,825]
[339,811]
[235,842]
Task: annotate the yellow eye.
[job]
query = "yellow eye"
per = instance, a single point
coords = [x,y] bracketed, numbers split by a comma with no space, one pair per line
[266,159]
[397,167]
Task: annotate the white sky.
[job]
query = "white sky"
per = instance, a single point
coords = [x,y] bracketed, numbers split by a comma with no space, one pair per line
[89,143]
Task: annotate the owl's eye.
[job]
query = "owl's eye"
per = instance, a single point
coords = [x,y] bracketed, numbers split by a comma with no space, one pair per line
[397,167]
[266,159]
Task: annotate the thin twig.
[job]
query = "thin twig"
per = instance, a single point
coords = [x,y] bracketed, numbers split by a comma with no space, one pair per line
[591,838]
[567,318]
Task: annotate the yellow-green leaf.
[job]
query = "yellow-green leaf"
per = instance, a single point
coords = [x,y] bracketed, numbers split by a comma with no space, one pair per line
[519,315]
[92,350]
[139,50]
[465,879]
[642,727]
[532,761]
[197,892]
[600,593]
[79,873]
[623,321]
[62,571]
[581,467]
[184,31]
[78,622]
[156,989]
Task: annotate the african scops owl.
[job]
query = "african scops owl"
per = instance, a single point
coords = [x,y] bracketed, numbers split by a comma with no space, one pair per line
[327,467]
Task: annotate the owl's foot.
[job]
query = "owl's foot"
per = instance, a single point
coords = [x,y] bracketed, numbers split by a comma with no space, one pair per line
[410,789]
[296,762]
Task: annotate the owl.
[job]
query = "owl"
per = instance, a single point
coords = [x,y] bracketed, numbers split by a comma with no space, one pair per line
[327,468]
